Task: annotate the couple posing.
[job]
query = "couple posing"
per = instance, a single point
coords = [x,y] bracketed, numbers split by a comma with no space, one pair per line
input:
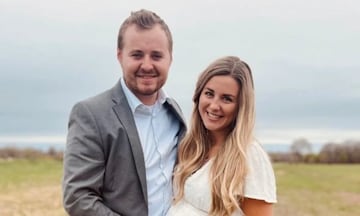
[128,151]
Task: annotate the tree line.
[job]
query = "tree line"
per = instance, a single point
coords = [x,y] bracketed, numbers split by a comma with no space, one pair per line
[331,152]
[300,152]
[10,153]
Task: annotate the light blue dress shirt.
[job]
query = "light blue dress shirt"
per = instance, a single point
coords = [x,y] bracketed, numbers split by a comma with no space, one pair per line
[157,128]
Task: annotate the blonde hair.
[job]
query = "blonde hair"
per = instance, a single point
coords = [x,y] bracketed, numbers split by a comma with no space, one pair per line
[229,167]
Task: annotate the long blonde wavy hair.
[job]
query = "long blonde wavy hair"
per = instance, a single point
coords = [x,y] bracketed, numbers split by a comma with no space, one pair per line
[229,167]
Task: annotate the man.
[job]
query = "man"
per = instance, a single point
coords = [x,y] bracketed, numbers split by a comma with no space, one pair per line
[122,144]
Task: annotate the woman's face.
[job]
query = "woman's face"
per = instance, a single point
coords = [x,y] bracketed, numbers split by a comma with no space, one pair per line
[218,103]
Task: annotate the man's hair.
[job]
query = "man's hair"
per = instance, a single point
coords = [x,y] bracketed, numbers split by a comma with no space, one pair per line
[143,19]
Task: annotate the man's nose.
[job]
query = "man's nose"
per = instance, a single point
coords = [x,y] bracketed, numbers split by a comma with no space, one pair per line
[147,64]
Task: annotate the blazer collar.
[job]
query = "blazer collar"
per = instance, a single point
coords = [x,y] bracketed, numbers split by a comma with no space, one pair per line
[122,109]
[125,116]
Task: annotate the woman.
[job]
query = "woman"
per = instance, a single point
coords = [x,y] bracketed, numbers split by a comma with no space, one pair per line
[221,169]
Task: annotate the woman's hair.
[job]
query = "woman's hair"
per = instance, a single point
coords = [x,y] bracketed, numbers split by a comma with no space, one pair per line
[229,166]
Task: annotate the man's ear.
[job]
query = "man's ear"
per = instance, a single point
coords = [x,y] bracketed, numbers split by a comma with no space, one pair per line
[119,55]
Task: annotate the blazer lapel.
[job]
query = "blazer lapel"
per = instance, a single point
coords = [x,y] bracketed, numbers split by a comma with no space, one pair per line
[179,115]
[126,118]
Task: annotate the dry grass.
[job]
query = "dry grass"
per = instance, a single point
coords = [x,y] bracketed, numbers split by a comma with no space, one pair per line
[40,201]
[32,188]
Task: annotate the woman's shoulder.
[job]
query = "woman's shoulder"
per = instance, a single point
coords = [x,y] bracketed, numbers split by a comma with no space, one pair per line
[256,153]
[260,181]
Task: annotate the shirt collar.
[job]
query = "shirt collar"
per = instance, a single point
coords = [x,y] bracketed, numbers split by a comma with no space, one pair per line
[134,102]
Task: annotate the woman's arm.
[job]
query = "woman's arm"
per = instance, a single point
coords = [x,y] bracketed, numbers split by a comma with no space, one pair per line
[254,207]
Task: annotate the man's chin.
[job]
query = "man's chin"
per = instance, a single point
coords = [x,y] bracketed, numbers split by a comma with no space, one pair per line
[148,91]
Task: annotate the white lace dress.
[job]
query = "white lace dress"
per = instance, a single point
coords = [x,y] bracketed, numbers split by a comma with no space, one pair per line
[259,184]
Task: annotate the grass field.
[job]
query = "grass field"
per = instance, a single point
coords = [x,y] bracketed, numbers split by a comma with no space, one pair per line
[33,188]
[317,190]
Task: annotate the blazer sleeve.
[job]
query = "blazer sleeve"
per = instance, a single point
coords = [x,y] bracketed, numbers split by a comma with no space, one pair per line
[84,166]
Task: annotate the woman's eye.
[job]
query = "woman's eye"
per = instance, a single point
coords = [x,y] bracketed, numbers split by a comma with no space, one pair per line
[208,93]
[227,99]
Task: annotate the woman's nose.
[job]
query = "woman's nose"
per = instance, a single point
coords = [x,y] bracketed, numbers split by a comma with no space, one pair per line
[214,105]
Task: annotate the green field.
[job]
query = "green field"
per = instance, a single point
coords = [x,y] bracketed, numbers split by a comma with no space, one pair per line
[321,190]
[33,188]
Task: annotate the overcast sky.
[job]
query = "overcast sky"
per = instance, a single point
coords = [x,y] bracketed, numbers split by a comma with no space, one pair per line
[304,56]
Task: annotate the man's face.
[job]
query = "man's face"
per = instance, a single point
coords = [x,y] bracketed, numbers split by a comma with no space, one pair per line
[145,60]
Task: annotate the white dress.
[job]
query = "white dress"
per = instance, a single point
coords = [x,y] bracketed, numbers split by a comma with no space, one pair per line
[259,184]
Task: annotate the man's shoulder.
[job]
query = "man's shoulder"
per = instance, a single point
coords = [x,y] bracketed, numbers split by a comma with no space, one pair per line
[101,100]
[104,96]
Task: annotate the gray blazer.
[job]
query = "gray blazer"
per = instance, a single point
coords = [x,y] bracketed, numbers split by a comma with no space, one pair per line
[104,168]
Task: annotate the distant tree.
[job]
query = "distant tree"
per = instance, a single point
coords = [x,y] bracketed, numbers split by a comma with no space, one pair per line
[347,152]
[51,151]
[353,151]
[328,153]
[300,148]
[331,152]
[311,158]
[281,157]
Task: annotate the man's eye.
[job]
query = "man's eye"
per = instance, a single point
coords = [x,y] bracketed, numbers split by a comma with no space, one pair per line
[156,57]
[136,55]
